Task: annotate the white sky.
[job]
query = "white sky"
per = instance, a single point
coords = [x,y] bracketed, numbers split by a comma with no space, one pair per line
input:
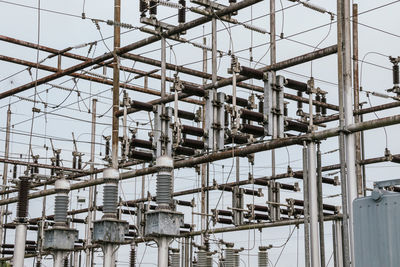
[62,30]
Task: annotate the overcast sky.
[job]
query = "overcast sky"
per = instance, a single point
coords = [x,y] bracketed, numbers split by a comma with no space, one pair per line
[61,26]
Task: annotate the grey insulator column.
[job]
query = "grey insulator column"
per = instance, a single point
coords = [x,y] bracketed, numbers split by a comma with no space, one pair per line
[21,222]
[229,256]
[110,192]
[209,259]
[165,165]
[132,259]
[62,188]
[236,256]
[201,258]
[175,258]
[262,257]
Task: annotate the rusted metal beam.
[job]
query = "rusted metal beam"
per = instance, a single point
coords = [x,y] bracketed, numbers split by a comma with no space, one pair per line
[130,47]
[90,78]
[233,152]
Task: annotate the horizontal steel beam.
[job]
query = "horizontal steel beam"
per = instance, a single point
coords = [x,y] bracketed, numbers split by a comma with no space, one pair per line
[130,47]
[233,152]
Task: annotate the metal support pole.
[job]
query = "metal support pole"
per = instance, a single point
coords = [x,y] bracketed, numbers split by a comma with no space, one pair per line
[91,214]
[162,252]
[344,181]
[203,167]
[108,252]
[5,171]
[109,248]
[313,205]
[313,192]
[356,89]
[306,208]
[209,100]
[117,43]
[349,120]
[41,230]
[59,257]
[320,206]
[337,243]
[163,66]
[19,247]
[274,129]
[364,174]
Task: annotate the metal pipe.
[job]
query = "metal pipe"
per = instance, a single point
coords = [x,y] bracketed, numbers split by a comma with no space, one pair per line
[117,44]
[59,258]
[203,167]
[91,214]
[162,251]
[19,248]
[313,202]
[349,120]
[108,252]
[306,208]
[320,206]
[340,22]
[356,93]
[337,243]
[5,171]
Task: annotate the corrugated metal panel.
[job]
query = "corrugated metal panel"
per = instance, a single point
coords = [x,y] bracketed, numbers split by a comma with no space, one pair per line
[377,231]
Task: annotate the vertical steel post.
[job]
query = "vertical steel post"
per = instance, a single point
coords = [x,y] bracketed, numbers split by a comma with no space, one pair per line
[203,169]
[272,35]
[306,209]
[337,243]
[59,257]
[5,171]
[143,183]
[117,44]
[21,222]
[349,120]
[320,206]
[344,181]
[162,251]
[313,192]
[356,89]
[19,247]
[108,256]
[108,252]
[90,215]
[313,205]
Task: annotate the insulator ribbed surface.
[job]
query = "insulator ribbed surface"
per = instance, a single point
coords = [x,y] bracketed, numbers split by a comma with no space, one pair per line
[110,198]
[182,12]
[142,6]
[61,208]
[209,260]
[23,191]
[396,74]
[164,186]
[229,258]
[318,108]
[323,109]
[175,259]
[202,259]
[153,7]
[132,259]
[262,259]
[237,259]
